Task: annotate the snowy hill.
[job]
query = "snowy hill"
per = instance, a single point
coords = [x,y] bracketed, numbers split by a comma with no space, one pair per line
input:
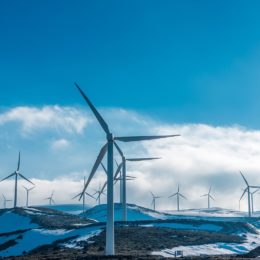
[195,232]
[134,213]
[74,209]
[24,229]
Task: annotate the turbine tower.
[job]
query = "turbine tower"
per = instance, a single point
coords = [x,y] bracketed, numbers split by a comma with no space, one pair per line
[178,195]
[5,200]
[154,200]
[108,148]
[209,197]
[247,189]
[16,174]
[83,196]
[51,201]
[27,194]
[252,199]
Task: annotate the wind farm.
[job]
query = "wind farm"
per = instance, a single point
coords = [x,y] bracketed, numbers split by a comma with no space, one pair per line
[129,130]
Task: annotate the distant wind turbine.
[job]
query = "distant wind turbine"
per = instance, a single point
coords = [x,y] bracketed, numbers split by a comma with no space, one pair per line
[83,196]
[5,200]
[154,200]
[99,192]
[17,174]
[27,194]
[178,195]
[51,201]
[108,148]
[247,189]
[252,199]
[209,197]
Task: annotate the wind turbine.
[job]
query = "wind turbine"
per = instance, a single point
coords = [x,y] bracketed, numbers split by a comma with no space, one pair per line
[178,195]
[16,174]
[99,192]
[120,178]
[27,194]
[247,189]
[124,177]
[209,197]
[5,200]
[108,148]
[154,200]
[83,196]
[50,199]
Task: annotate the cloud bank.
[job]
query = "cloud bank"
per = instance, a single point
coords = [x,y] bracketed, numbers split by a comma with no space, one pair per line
[59,146]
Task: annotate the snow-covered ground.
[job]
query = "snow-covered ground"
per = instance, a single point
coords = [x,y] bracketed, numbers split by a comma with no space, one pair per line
[29,235]
[10,222]
[252,241]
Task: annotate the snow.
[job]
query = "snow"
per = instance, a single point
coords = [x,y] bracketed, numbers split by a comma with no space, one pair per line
[252,241]
[10,222]
[38,237]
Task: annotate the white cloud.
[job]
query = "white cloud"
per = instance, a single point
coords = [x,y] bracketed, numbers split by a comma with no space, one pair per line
[60,144]
[58,118]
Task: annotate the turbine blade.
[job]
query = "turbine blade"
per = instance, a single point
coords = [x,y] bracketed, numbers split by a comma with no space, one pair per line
[52,200]
[97,162]
[25,178]
[255,191]
[18,165]
[244,178]
[142,159]
[255,187]
[142,138]
[8,176]
[90,195]
[182,196]
[204,195]
[152,194]
[243,194]
[96,113]
[104,168]
[173,195]
[76,196]
[118,149]
[118,170]
[211,197]
[209,189]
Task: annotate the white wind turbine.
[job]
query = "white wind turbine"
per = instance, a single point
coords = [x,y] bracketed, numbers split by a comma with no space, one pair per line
[5,201]
[108,148]
[247,189]
[83,196]
[209,197]
[50,199]
[27,194]
[124,178]
[16,174]
[178,195]
[154,200]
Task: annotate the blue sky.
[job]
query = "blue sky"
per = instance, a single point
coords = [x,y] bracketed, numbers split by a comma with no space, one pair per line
[179,61]
[151,67]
